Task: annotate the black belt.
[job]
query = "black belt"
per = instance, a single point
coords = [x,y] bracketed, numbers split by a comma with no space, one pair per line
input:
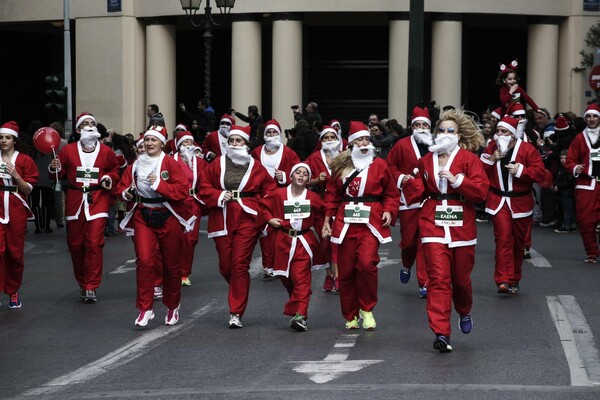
[193,192]
[293,232]
[363,199]
[148,200]
[508,194]
[447,196]
[236,194]
[85,189]
[12,189]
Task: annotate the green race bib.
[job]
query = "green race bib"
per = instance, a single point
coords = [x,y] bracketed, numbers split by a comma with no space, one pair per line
[356,214]
[449,215]
[296,209]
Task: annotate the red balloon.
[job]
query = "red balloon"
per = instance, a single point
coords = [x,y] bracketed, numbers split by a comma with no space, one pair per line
[45,139]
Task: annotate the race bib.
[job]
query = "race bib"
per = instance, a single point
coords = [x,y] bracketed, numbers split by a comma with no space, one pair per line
[449,215]
[357,214]
[3,173]
[595,155]
[293,209]
[87,175]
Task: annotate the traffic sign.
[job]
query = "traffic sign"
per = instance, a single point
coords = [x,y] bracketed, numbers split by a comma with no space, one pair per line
[595,78]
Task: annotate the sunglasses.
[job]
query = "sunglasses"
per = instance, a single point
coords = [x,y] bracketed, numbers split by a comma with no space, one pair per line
[449,130]
[226,123]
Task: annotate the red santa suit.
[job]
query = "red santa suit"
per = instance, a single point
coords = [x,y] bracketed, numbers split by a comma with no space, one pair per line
[519,96]
[157,220]
[297,248]
[358,243]
[587,190]
[232,224]
[510,202]
[404,158]
[215,143]
[14,213]
[86,206]
[448,241]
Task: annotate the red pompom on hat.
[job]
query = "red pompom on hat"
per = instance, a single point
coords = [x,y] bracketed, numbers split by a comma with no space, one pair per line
[420,114]
[158,132]
[326,129]
[516,109]
[227,118]
[181,136]
[496,113]
[509,123]
[561,123]
[592,109]
[82,117]
[272,124]
[357,130]
[10,127]
[243,131]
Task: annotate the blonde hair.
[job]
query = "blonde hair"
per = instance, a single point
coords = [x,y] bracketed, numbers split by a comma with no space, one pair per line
[342,164]
[471,137]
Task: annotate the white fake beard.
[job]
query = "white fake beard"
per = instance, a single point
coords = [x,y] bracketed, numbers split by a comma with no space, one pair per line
[592,134]
[272,142]
[224,130]
[146,165]
[521,128]
[360,160]
[445,143]
[238,155]
[332,148]
[503,142]
[188,153]
[423,136]
[89,136]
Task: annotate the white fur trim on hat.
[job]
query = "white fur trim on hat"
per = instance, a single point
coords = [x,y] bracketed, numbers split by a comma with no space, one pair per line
[591,111]
[239,132]
[180,126]
[511,128]
[83,118]
[424,119]
[296,166]
[358,134]
[156,134]
[226,119]
[519,112]
[495,114]
[324,131]
[181,139]
[273,126]
[10,131]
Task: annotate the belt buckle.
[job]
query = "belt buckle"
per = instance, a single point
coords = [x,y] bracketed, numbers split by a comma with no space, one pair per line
[292,233]
[15,190]
[597,178]
[192,191]
[137,198]
[235,194]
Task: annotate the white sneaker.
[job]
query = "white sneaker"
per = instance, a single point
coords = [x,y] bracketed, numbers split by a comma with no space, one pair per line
[234,321]
[158,293]
[172,316]
[144,317]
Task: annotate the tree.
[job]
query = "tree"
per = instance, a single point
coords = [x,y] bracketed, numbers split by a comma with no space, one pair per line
[592,41]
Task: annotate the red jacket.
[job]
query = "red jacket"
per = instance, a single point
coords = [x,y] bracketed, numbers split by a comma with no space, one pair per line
[28,171]
[212,143]
[285,158]
[404,157]
[580,153]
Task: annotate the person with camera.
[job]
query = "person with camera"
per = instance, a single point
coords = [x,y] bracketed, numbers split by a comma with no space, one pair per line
[159,189]
[312,114]
[256,123]
[206,118]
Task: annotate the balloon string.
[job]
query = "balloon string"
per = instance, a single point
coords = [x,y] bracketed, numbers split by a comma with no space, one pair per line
[56,172]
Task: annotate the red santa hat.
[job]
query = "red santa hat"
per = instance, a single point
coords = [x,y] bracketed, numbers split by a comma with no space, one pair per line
[335,122]
[140,140]
[272,124]
[357,130]
[227,118]
[181,136]
[516,109]
[509,123]
[82,117]
[158,132]
[303,165]
[327,128]
[10,127]
[592,109]
[243,131]
[181,126]
[561,123]
[496,113]
[420,114]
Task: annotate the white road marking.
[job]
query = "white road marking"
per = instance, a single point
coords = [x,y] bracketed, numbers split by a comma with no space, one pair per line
[577,340]
[335,364]
[129,352]
[538,260]
[127,266]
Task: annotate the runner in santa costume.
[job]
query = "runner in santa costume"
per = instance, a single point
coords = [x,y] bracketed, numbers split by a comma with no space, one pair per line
[584,160]
[216,141]
[159,187]
[512,166]
[18,175]
[319,169]
[450,180]
[231,187]
[292,211]
[363,197]
[278,159]
[337,129]
[191,164]
[404,158]
[92,170]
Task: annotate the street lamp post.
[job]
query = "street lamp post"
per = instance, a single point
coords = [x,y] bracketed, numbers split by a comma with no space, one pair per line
[191,7]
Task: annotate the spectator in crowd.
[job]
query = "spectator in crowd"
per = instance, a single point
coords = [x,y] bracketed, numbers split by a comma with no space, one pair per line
[255,121]
[312,114]
[207,120]
[545,128]
[302,139]
[381,139]
[155,118]
[564,186]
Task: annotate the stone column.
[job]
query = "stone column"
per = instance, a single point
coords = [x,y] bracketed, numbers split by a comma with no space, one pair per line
[542,62]
[446,60]
[246,62]
[398,67]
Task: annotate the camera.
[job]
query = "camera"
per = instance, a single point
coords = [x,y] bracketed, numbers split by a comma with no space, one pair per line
[296,107]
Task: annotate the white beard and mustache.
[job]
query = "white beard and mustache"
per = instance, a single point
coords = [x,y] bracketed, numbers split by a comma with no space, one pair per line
[89,136]
[445,143]
[503,143]
[423,136]
[188,153]
[238,155]
[592,134]
[224,130]
[521,128]
[332,148]
[360,160]
[272,142]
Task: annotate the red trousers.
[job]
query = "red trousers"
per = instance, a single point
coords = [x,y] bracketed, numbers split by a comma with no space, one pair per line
[587,214]
[168,239]
[266,248]
[510,235]
[449,272]
[158,265]
[357,272]
[298,283]
[86,241]
[410,243]
[12,245]
[190,240]
[235,253]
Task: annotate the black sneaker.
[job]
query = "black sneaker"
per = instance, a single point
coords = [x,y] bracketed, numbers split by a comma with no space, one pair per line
[81,294]
[299,323]
[90,297]
[526,254]
[514,289]
[504,287]
[442,343]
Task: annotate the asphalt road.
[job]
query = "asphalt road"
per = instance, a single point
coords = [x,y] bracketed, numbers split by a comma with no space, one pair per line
[537,345]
